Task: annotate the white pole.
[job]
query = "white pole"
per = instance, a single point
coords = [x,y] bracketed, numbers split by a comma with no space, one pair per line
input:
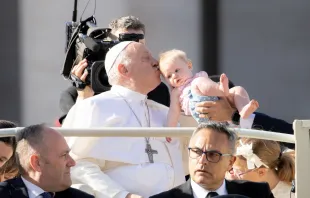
[155,132]
[302,155]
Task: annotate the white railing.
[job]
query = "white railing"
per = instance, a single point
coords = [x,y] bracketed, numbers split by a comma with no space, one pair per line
[154,132]
[301,139]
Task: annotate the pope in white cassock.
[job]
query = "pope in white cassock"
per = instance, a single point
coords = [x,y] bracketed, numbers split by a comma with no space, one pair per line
[121,166]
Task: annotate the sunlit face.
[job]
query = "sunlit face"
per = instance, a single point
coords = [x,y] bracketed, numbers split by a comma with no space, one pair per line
[6,152]
[56,163]
[208,174]
[176,71]
[130,31]
[143,68]
[240,171]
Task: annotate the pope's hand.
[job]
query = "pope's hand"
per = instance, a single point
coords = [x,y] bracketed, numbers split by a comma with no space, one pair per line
[133,196]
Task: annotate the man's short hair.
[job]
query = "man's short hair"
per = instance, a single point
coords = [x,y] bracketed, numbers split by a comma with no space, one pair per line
[127,22]
[220,128]
[29,141]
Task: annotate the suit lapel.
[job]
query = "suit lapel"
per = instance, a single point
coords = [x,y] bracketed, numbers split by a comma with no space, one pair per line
[18,189]
[184,190]
[235,187]
[231,187]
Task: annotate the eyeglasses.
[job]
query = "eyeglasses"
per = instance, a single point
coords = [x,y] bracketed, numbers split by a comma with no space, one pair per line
[211,156]
[238,172]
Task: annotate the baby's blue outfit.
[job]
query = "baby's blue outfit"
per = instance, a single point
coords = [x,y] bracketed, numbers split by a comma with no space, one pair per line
[193,100]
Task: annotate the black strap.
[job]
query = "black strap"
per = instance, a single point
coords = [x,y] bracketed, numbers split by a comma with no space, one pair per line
[78,83]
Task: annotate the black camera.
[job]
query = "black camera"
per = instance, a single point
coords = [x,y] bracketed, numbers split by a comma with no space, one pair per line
[87,41]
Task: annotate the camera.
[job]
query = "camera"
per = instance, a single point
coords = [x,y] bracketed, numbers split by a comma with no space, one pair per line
[84,40]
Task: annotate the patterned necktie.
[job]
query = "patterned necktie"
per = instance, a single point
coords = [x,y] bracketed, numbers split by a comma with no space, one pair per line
[211,194]
[45,195]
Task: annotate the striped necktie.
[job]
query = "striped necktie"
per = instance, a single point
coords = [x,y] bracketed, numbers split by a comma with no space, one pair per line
[45,195]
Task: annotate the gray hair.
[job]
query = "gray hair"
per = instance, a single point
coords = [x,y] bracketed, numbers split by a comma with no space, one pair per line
[29,141]
[127,22]
[122,58]
[219,128]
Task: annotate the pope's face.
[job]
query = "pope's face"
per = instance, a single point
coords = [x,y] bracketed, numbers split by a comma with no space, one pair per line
[6,152]
[143,67]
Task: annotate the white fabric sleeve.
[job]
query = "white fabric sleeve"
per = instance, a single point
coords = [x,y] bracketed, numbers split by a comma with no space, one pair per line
[248,122]
[78,99]
[89,173]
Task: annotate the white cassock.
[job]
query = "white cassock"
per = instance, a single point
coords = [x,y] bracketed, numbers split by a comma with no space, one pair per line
[116,166]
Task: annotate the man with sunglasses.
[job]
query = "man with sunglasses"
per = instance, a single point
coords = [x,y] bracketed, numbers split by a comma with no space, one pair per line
[211,155]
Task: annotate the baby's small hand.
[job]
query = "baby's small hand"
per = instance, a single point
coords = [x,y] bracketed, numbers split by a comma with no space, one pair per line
[168,139]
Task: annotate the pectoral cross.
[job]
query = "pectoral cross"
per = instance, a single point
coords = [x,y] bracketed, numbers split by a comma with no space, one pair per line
[150,152]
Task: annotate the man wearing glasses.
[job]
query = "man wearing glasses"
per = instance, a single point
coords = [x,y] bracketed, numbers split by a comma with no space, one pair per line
[211,155]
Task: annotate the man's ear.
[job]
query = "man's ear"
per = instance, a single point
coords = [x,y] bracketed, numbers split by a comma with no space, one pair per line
[35,163]
[190,64]
[122,69]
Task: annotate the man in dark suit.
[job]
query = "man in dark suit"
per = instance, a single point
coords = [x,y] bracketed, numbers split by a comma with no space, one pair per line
[44,164]
[211,150]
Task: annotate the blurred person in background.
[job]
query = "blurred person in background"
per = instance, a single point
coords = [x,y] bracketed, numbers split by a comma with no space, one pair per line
[9,170]
[8,167]
[263,161]
[44,164]
[7,144]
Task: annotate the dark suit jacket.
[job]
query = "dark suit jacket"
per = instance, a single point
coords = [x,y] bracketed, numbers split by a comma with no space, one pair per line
[246,188]
[68,98]
[15,188]
[267,123]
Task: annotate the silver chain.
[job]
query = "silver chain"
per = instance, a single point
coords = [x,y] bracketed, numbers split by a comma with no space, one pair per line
[148,119]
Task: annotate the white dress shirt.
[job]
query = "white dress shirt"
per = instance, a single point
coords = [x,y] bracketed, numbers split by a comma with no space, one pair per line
[130,171]
[247,123]
[200,192]
[33,190]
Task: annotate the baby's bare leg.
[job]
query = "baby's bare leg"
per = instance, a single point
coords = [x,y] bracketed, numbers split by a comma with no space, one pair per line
[242,101]
[224,84]
[205,86]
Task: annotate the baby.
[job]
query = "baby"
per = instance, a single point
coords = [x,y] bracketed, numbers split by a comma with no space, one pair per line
[189,89]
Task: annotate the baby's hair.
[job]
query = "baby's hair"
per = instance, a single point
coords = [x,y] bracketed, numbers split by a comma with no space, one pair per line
[172,55]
